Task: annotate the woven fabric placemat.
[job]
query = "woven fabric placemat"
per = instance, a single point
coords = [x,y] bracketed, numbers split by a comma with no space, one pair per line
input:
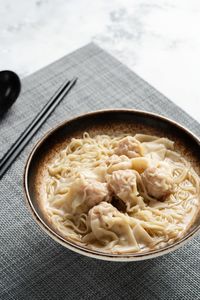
[32,265]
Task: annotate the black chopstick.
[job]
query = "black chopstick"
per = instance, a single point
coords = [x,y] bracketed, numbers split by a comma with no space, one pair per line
[33,127]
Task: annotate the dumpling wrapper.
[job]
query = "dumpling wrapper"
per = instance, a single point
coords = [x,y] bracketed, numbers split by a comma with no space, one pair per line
[113,232]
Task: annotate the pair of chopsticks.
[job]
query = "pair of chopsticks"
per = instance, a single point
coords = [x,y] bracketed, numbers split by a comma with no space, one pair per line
[33,127]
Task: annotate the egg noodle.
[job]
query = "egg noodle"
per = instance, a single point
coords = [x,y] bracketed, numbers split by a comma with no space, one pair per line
[121,194]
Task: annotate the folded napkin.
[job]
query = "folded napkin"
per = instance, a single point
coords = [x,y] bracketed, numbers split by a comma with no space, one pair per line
[32,265]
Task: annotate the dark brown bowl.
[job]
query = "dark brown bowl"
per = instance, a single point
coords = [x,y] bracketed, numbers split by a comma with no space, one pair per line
[104,122]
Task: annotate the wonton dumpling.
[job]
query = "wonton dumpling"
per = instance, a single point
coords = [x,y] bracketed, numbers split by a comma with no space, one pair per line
[124,185]
[111,228]
[130,147]
[150,141]
[95,192]
[154,148]
[85,194]
[158,180]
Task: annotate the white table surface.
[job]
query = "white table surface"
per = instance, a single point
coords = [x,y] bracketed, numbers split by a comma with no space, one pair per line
[158,39]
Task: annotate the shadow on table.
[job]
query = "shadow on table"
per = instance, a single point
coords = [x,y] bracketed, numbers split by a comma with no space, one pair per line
[58,273]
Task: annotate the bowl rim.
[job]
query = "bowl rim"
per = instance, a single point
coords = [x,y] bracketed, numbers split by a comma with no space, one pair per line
[81,249]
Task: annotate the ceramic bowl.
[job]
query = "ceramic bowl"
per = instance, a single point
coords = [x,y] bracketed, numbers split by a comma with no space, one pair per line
[104,122]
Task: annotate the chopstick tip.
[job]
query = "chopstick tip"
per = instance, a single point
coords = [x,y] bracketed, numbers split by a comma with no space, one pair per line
[74,79]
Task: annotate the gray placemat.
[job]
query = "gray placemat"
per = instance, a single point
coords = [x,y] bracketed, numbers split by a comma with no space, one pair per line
[32,265]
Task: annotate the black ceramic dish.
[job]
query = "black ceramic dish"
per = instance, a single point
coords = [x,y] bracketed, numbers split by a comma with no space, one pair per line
[10,87]
[105,122]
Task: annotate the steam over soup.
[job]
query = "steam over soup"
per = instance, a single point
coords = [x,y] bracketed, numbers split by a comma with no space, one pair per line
[121,194]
